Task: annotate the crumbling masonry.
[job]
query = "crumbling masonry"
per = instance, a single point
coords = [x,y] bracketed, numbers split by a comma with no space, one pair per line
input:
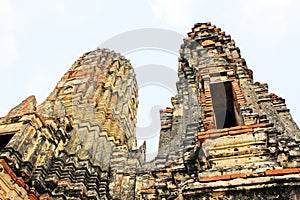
[225,137]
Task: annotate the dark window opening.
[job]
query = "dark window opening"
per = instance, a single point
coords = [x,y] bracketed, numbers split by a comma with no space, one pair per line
[4,140]
[223,73]
[223,104]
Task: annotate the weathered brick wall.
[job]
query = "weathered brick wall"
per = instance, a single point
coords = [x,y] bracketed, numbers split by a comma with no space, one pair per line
[225,137]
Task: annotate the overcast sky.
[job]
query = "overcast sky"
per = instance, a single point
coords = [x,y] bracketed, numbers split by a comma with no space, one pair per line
[39,41]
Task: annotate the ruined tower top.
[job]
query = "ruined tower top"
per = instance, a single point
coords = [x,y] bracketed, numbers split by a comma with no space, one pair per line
[91,91]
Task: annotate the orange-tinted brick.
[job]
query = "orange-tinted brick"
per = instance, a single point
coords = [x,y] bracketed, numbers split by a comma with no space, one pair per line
[202,133]
[225,129]
[282,171]
[20,182]
[32,197]
[235,128]
[45,197]
[202,137]
[240,175]
[255,125]
[215,178]
[240,131]
[215,135]
[211,131]
[8,170]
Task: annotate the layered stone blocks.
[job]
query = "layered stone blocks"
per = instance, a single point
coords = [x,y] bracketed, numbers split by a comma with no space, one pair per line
[225,136]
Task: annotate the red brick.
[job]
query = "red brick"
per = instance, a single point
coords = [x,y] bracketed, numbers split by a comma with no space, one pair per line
[203,133]
[235,128]
[202,136]
[32,197]
[20,182]
[240,175]
[240,131]
[282,171]
[211,131]
[225,129]
[215,178]
[8,170]
[215,135]
[255,126]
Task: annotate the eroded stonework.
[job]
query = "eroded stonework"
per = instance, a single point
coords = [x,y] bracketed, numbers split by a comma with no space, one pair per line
[225,137]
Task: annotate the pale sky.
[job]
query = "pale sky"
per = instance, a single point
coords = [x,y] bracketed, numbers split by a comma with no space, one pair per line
[40,40]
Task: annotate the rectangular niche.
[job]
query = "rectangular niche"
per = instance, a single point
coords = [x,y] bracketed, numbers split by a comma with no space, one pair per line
[223,104]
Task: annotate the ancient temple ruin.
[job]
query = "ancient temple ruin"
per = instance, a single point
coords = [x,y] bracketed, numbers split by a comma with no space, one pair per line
[226,137]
